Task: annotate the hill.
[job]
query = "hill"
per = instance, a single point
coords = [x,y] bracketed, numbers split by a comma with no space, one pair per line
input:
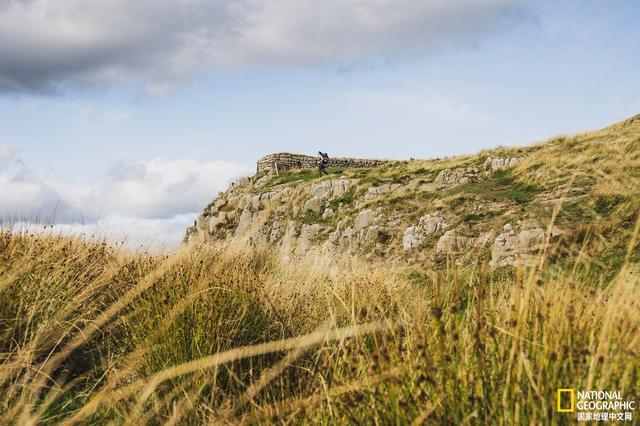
[498,206]
[433,309]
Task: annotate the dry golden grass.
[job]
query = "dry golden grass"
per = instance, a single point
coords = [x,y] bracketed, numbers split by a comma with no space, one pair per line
[238,335]
[234,335]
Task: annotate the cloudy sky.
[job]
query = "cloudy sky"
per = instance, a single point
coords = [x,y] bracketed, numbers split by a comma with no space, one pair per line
[127,117]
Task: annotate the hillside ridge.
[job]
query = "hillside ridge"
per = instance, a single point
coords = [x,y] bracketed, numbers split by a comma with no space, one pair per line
[495,206]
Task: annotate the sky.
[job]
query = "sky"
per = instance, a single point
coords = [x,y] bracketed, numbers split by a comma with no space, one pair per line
[123,119]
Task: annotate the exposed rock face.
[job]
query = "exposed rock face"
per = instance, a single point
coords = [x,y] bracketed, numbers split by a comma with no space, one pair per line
[245,222]
[376,191]
[499,163]
[368,222]
[564,193]
[328,213]
[328,189]
[308,236]
[240,211]
[427,226]
[364,219]
[453,177]
[450,178]
[314,204]
[511,248]
[451,243]
[325,191]
[411,238]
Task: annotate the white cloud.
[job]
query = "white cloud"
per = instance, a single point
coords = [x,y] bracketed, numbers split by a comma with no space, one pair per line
[46,45]
[131,232]
[150,201]
[24,195]
[158,188]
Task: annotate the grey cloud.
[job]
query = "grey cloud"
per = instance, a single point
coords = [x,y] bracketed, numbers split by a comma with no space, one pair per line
[158,189]
[24,196]
[47,46]
[153,189]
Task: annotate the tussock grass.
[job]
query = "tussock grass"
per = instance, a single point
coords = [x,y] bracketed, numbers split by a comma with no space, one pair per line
[235,335]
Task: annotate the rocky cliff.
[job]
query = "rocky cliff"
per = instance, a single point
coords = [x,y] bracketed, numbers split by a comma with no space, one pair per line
[500,206]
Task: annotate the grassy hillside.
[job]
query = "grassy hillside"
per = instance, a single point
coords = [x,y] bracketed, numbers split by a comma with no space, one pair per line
[235,333]
[584,183]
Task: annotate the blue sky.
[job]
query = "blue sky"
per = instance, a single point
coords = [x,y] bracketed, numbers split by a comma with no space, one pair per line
[130,128]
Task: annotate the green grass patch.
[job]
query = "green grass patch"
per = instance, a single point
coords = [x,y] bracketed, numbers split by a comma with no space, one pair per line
[500,186]
[576,212]
[605,205]
[479,217]
[473,218]
[294,176]
[371,180]
[347,199]
[383,236]
[303,175]
[310,217]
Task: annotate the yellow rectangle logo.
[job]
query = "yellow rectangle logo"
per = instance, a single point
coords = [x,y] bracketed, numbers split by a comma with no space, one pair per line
[572,396]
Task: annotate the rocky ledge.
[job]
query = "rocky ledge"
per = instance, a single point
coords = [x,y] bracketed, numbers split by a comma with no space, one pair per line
[399,213]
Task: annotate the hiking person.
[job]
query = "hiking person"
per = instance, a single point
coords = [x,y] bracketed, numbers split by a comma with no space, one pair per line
[323,162]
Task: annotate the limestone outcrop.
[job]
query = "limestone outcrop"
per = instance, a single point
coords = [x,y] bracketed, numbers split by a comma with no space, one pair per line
[451,243]
[500,163]
[428,225]
[404,218]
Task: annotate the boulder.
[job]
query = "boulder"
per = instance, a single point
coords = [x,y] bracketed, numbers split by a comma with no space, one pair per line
[433,224]
[322,190]
[500,163]
[266,198]
[485,239]
[244,223]
[262,181]
[530,238]
[364,219]
[511,248]
[240,182]
[217,221]
[453,177]
[330,189]
[347,233]
[308,235]
[411,238]
[450,243]
[314,204]
[376,191]
[277,231]
[328,213]
[254,203]
[201,222]
[339,187]
[374,234]
[427,225]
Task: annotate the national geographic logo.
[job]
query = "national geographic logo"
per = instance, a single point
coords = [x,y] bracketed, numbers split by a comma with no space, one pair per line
[566,400]
[595,405]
